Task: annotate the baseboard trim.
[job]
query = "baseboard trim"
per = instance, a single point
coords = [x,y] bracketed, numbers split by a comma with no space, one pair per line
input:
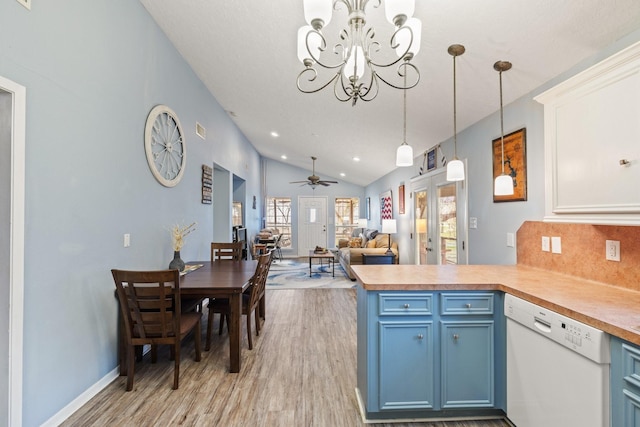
[81,400]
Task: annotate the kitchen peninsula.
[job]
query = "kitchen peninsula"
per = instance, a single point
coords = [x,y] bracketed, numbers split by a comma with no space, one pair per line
[439,295]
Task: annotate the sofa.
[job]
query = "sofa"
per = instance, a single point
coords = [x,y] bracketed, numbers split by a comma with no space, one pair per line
[363,241]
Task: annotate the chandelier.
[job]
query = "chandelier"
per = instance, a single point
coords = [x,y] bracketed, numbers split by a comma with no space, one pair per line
[357,63]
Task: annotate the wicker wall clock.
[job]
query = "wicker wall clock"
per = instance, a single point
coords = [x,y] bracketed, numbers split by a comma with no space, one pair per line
[164,145]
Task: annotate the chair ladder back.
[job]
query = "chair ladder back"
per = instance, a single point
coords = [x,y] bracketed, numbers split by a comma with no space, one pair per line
[226,251]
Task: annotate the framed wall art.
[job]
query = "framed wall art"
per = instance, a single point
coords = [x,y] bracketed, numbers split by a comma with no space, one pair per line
[386,206]
[431,159]
[515,164]
[401,199]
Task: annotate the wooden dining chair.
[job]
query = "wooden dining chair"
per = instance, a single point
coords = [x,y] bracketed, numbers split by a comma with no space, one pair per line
[150,304]
[226,251]
[250,302]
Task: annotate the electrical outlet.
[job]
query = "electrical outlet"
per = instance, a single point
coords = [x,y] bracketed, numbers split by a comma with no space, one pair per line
[473,222]
[546,244]
[127,240]
[613,250]
[556,245]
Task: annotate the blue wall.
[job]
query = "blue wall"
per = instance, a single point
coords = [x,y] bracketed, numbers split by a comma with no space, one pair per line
[93,71]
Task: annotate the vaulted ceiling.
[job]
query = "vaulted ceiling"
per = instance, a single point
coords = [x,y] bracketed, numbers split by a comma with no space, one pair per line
[245,53]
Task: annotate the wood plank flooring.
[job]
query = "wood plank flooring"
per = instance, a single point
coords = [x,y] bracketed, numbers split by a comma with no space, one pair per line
[301,372]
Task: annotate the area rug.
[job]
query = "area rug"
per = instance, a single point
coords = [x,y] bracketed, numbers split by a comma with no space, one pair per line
[294,274]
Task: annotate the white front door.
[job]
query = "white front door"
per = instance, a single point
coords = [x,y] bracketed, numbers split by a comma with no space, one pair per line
[312,223]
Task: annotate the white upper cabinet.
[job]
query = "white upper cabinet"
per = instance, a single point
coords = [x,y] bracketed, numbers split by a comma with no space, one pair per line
[592,143]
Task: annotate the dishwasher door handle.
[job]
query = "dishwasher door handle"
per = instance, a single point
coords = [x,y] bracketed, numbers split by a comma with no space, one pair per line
[542,325]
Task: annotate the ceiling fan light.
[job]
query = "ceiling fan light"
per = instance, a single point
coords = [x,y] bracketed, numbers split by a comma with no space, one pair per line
[404,155]
[317,13]
[398,8]
[455,170]
[503,186]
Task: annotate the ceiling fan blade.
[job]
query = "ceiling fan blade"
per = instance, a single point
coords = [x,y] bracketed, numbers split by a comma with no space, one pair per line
[323,183]
[298,182]
[329,182]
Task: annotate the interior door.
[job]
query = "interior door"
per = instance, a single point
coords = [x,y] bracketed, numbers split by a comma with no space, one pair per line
[312,224]
[440,218]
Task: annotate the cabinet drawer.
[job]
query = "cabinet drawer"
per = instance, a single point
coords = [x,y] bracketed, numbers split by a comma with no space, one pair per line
[405,304]
[631,365]
[466,304]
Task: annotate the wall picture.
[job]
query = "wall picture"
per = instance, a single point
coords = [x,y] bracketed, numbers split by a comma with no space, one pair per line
[386,206]
[515,164]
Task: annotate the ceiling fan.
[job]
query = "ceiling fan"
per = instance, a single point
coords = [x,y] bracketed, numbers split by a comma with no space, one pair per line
[314,179]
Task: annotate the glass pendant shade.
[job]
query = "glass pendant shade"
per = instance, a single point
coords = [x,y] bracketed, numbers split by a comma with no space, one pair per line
[393,8]
[404,155]
[403,37]
[503,186]
[455,170]
[319,10]
[315,41]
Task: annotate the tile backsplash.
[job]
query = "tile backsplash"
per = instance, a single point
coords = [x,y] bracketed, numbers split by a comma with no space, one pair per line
[583,251]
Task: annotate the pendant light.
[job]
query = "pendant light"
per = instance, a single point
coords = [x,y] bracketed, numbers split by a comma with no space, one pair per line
[404,154]
[455,168]
[504,183]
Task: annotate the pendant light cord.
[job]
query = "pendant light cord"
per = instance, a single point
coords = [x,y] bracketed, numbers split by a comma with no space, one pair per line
[455,130]
[404,135]
[501,124]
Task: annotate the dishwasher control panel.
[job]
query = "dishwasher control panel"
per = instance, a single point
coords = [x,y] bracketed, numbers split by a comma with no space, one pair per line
[577,336]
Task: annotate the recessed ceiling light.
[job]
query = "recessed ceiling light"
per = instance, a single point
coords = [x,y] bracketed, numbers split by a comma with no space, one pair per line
[343,174]
[283,157]
[274,134]
[356,159]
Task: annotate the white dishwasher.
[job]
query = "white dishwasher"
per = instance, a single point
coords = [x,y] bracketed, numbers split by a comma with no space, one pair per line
[557,369]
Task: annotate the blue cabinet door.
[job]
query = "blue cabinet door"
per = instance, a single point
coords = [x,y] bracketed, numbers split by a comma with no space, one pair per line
[467,364]
[625,384]
[406,365]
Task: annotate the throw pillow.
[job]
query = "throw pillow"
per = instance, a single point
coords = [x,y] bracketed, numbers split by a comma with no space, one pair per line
[370,234]
[355,242]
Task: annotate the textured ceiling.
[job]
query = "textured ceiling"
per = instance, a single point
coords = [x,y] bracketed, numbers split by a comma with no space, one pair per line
[245,53]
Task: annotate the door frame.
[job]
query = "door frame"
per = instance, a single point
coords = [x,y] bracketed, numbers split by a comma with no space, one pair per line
[430,182]
[16,247]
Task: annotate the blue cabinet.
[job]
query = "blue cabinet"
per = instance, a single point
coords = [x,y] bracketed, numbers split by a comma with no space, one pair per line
[625,384]
[430,354]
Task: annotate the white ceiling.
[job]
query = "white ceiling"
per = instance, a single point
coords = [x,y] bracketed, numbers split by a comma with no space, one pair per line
[245,53]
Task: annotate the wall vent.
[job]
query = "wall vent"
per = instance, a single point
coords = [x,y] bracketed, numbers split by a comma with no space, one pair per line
[201,131]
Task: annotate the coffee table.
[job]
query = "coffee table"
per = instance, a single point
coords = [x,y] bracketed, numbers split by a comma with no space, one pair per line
[328,255]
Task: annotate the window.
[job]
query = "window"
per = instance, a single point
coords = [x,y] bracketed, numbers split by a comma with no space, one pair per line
[347,216]
[279,217]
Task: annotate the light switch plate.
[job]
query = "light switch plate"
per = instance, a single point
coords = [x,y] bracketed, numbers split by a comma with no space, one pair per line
[127,240]
[473,222]
[511,240]
[546,244]
[25,3]
[556,245]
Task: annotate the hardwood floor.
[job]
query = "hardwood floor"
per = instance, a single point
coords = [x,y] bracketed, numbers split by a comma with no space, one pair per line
[301,372]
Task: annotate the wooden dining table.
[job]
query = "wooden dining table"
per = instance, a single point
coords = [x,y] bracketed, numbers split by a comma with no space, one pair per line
[222,279]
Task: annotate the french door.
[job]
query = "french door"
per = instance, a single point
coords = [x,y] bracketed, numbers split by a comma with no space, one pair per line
[439,220]
[312,223]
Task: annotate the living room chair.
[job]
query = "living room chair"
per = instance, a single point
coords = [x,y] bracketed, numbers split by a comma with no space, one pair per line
[276,247]
[150,305]
[250,302]
[226,251]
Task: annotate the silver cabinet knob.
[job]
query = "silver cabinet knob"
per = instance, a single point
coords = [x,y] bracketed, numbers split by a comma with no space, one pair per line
[406,306]
[420,336]
[468,305]
[456,336]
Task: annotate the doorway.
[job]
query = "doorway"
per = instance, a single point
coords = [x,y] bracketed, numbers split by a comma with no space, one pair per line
[12,190]
[439,213]
[312,224]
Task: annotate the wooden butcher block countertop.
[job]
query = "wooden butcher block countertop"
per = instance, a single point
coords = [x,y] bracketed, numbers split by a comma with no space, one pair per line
[613,309]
